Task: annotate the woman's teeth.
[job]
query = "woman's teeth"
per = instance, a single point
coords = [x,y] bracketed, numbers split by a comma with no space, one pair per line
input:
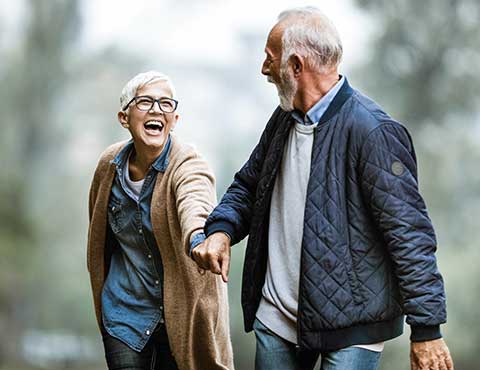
[154,125]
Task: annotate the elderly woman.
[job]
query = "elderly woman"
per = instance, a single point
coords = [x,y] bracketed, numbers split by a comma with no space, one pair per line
[149,200]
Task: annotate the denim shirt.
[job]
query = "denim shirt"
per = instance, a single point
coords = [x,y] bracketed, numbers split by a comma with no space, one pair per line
[132,299]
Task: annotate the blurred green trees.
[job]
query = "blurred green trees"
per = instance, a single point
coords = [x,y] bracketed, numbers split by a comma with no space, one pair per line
[421,67]
[33,79]
[49,97]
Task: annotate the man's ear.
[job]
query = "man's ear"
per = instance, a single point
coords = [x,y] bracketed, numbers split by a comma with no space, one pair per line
[298,64]
[123,119]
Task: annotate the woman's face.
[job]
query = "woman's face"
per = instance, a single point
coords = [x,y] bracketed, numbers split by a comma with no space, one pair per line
[150,128]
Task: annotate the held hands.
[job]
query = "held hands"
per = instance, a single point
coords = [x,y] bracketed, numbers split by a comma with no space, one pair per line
[432,354]
[214,254]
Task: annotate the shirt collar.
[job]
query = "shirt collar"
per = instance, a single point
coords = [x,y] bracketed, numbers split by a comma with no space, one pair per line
[316,112]
[160,164]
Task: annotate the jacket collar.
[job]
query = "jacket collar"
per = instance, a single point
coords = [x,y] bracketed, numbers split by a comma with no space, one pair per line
[342,96]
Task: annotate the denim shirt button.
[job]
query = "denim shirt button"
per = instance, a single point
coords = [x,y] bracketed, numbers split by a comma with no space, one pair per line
[147,332]
[157,282]
[149,256]
[140,231]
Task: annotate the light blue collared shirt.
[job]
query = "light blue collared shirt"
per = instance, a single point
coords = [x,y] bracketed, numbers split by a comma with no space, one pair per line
[316,112]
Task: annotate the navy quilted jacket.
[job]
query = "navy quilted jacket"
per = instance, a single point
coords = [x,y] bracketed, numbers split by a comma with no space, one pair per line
[368,249]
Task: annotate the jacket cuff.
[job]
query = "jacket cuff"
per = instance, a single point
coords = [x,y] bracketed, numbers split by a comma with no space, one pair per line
[424,333]
[220,226]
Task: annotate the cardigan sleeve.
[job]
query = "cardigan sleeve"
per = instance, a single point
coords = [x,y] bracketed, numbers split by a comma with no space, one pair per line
[194,187]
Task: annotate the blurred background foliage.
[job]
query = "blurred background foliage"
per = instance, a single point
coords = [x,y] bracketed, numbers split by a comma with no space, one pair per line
[58,101]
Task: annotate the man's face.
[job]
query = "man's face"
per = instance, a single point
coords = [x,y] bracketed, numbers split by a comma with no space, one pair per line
[151,127]
[277,73]
[273,51]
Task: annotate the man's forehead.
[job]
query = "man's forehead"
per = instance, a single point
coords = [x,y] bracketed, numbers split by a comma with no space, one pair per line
[274,40]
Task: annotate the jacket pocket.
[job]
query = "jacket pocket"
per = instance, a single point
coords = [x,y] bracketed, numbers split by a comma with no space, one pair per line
[355,285]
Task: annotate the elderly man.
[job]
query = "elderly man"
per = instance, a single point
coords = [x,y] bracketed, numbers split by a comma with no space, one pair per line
[149,200]
[340,244]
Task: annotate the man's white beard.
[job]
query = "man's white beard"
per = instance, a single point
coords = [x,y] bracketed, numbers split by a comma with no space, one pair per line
[287,88]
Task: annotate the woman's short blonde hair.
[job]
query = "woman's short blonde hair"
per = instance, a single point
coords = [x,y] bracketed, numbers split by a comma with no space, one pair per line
[130,89]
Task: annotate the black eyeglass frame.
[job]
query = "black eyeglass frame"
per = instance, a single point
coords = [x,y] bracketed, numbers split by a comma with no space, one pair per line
[153,103]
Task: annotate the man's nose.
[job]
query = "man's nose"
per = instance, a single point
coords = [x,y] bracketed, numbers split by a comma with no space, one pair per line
[265,69]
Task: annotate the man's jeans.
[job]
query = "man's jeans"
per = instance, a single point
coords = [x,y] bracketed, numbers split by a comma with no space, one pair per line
[275,353]
[155,356]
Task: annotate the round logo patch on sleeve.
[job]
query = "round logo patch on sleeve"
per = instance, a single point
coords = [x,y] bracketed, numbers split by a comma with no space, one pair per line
[397,168]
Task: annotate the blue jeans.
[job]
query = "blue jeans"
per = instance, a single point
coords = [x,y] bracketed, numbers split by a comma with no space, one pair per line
[275,353]
[156,354]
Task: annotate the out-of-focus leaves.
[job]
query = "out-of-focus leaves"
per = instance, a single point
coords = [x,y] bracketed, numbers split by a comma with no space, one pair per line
[423,58]
[422,68]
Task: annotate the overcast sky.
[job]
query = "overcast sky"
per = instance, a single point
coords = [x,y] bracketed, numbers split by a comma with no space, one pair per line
[205,29]
[197,33]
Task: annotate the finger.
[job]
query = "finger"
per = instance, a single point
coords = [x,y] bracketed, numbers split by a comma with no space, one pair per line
[449,362]
[196,255]
[225,268]
[413,360]
[200,262]
[215,265]
[413,364]
[442,365]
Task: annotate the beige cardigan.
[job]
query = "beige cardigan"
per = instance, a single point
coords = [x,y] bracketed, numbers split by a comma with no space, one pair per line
[196,305]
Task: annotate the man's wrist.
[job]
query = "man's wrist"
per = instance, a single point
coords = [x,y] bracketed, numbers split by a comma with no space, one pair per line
[220,226]
[226,234]
[422,333]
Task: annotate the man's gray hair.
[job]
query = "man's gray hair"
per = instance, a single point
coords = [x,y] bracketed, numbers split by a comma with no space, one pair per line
[139,81]
[310,33]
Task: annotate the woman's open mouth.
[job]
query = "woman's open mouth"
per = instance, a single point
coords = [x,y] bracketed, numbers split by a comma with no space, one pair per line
[153,127]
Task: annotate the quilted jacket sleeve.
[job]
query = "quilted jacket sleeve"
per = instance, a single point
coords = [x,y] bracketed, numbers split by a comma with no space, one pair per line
[388,176]
[234,212]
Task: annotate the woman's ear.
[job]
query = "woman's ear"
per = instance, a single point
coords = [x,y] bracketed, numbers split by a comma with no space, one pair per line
[175,121]
[123,119]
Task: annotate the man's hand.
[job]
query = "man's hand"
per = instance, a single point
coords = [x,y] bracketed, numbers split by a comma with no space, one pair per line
[214,254]
[430,355]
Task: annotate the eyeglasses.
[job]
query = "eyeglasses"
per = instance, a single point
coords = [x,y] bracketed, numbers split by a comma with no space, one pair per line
[145,103]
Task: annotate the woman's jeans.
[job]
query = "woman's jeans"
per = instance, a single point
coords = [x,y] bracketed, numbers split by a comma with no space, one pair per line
[275,353]
[155,356]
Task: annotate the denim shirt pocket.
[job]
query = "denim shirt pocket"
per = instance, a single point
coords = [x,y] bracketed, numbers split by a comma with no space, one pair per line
[116,215]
